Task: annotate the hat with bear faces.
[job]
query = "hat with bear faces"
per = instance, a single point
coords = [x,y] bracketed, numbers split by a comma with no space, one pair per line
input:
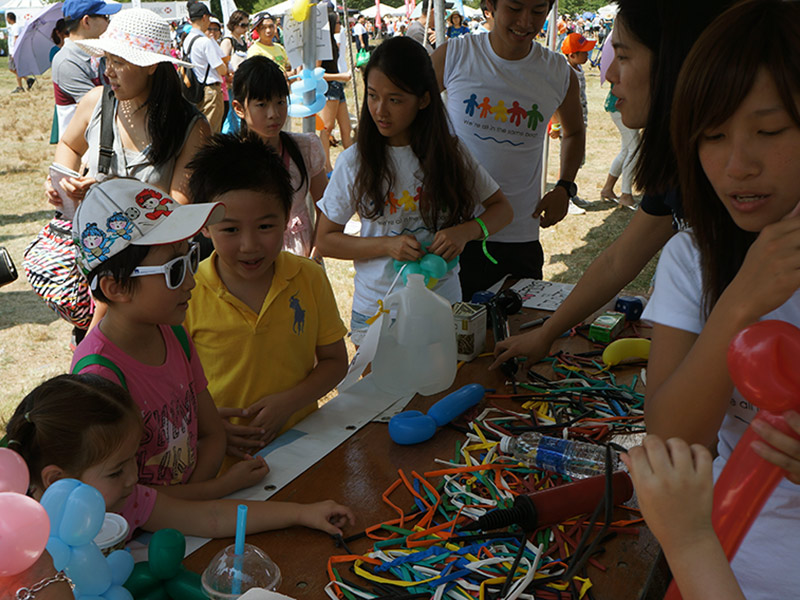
[118,213]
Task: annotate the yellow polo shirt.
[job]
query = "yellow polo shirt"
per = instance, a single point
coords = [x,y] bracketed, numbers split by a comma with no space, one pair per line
[276,52]
[248,355]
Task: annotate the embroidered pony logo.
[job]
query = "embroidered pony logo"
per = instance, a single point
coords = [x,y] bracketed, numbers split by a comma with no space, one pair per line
[299,314]
[153,201]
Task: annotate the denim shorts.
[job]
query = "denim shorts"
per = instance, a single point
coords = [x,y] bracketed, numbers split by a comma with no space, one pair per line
[335,91]
[358,327]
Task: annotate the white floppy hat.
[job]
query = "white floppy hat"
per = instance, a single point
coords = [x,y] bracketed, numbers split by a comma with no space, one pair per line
[136,35]
[123,212]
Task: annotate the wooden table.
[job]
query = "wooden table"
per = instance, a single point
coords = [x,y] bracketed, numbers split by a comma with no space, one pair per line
[358,471]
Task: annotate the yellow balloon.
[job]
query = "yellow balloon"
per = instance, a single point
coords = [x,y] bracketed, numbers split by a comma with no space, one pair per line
[625,349]
[300,10]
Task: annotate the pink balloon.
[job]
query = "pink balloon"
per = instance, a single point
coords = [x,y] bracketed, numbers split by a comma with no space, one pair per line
[24,529]
[13,472]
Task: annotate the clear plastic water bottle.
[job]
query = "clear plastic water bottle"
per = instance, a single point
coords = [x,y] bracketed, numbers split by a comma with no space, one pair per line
[575,459]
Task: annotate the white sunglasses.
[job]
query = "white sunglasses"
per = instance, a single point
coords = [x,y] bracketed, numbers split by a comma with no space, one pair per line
[175,270]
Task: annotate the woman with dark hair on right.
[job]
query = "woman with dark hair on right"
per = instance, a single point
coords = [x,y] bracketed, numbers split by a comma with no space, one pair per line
[736,132]
[651,40]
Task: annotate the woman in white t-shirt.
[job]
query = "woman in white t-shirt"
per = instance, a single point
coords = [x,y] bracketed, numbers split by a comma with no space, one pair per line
[736,130]
[413,185]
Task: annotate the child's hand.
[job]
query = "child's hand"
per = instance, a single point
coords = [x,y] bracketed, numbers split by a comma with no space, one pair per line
[327,516]
[240,437]
[674,486]
[403,247]
[533,344]
[271,412]
[243,474]
[778,448]
[449,243]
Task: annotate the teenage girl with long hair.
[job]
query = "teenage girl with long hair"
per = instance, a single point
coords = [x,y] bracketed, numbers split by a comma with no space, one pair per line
[261,100]
[86,427]
[409,180]
[335,109]
[736,131]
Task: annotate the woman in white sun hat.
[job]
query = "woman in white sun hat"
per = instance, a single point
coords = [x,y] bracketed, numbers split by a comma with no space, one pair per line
[156,131]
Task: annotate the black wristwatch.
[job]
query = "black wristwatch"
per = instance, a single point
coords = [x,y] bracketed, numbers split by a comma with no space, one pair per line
[570,186]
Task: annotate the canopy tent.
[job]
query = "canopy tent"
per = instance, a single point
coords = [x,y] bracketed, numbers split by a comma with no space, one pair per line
[472,12]
[25,10]
[281,8]
[609,11]
[385,11]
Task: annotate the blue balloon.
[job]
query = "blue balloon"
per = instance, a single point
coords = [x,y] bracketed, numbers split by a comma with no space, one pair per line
[55,498]
[121,563]
[59,552]
[83,516]
[456,403]
[411,427]
[89,570]
[116,592]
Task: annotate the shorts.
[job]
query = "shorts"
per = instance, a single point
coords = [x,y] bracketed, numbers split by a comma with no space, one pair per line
[358,327]
[335,91]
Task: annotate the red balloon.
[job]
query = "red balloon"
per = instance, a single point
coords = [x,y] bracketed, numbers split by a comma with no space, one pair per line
[24,529]
[760,363]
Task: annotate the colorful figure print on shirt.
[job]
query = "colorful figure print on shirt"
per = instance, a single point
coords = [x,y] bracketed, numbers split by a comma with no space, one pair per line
[299,314]
[499,112]
[155,202]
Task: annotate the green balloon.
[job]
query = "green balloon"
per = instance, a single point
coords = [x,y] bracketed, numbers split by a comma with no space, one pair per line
[185,586]
[165,553]
[433,265]
[142,581]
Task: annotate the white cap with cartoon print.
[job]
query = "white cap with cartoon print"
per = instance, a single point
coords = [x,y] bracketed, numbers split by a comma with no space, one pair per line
[121,212]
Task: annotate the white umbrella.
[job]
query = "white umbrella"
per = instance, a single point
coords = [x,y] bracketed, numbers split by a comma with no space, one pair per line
[32,52]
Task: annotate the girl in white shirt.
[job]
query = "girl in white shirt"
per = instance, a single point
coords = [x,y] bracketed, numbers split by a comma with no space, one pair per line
[413,185]
[736,131]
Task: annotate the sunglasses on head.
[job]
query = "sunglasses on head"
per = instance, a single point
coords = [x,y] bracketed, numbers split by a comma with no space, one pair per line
[175,270]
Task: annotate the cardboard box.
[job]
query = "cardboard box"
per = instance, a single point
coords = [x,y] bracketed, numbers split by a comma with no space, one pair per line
[470,323]
[607,327]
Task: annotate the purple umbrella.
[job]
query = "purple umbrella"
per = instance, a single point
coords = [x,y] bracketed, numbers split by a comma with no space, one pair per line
[606,57]
[32,52]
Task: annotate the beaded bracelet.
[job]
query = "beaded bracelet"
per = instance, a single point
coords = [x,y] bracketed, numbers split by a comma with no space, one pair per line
[25,593]
[491,258]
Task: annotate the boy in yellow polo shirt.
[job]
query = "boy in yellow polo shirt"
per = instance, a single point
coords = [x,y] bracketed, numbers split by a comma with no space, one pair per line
[264,322]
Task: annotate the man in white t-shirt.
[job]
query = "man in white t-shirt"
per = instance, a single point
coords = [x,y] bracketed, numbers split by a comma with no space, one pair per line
[209,68]
[502,89]
[14,29]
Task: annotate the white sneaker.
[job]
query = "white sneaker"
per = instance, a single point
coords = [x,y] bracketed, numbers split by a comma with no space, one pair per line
[574,209]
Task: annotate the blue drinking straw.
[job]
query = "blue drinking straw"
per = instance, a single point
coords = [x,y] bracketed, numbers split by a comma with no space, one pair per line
[238,548]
